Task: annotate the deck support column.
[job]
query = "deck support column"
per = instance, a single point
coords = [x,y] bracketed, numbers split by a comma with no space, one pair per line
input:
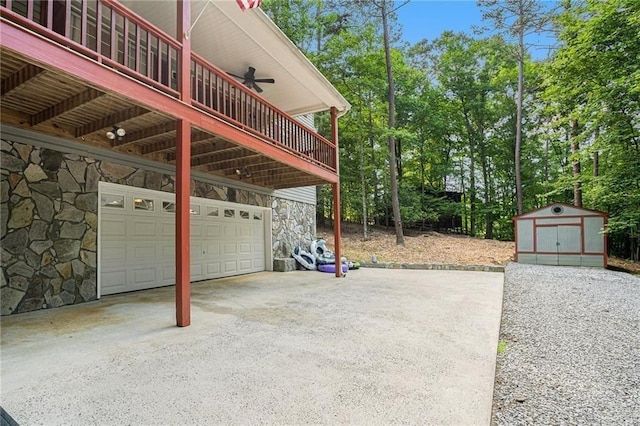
[337,234]
[183,243]
[183,175]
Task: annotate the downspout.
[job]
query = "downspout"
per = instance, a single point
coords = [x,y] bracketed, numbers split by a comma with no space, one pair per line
[183,174]
[337,235]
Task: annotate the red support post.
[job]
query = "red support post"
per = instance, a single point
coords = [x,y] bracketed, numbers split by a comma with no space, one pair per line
[183,189]
[337,234]
[183,176]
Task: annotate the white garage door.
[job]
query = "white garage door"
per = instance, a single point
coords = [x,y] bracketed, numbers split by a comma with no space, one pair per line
[137,239]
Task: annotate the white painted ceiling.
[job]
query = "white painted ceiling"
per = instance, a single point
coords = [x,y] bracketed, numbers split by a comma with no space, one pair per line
[233,40]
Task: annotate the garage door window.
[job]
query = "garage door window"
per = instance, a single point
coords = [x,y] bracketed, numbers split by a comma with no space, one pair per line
[244,214]
[213,211]
[257,215]
[143,204]
[229,213]
[168,207]
[195,209]
[112,201]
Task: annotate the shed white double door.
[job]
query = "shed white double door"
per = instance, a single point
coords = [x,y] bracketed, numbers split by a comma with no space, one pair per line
[137,238]
[563,239]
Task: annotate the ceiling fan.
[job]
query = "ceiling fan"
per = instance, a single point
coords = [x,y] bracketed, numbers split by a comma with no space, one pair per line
[250,80]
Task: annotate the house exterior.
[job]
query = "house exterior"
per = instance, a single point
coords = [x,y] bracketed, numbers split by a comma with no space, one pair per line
[132,159]
[561,234]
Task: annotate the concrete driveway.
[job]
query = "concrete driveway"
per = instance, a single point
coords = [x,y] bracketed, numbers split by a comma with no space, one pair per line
[378,347]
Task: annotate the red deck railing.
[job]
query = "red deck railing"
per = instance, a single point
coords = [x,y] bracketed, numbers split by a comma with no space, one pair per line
[109,33]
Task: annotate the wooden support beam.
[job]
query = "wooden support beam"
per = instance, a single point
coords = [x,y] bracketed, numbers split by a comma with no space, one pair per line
[67,105]
[203,149]
[337,232]
[236,162]
[110,120]
[171,145]
[183,174]
[262,167]
[286,182]
[223,155]
[147,133]
[16,80]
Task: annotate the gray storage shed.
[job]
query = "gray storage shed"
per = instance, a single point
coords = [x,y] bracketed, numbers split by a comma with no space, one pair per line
[561,234]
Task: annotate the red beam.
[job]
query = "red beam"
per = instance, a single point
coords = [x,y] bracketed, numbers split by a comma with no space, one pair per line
[183,180]
[337,233]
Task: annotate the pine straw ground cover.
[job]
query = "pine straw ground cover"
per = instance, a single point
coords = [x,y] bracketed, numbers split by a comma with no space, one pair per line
[432,247]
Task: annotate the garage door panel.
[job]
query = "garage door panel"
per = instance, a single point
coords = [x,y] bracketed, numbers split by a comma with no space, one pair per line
[196,228]
[229,230]
[246,230]
[230,266]
[245,265]
[113,251]
[196,250]
[168,274]
[167,251]
[113,228]
[167,229]
[230,248]
[144,276]
[137,248]
[196,272]
[143,228]
[212,231]
[144,252]
[213,249]
[114,282]
[213,269]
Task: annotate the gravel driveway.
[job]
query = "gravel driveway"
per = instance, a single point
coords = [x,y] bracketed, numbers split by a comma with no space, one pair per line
[572,352]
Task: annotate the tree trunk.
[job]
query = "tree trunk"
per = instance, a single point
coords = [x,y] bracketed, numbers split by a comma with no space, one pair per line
[472,191]
[575,149]
[596,157]
[392,123]
[374,178]
[363,183]
[518,147]
[464,199]
[488,232]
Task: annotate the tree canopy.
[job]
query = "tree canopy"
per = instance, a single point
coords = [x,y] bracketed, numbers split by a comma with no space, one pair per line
[475,114]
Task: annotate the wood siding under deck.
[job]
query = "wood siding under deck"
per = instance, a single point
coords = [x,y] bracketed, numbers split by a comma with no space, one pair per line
[74,69]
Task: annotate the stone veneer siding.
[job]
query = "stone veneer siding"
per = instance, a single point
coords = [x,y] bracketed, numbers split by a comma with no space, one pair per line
[48,216]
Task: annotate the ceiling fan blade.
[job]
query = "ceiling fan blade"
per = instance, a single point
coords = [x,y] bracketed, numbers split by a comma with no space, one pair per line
[258,88]
[265,80]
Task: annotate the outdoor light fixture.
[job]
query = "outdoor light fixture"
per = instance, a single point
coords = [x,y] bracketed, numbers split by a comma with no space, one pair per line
[243,172]
[116,132]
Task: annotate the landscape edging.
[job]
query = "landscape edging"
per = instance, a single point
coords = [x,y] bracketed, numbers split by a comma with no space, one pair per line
[435,266]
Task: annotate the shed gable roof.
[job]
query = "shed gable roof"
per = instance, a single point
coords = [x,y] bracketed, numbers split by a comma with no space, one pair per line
[568,210]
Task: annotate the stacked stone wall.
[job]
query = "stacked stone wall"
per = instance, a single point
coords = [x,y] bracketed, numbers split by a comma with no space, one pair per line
[49,222]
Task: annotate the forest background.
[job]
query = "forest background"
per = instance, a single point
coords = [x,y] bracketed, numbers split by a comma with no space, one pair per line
[464,132]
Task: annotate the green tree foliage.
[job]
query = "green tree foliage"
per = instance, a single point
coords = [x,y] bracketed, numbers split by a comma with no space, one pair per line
[594,80]
[456,126]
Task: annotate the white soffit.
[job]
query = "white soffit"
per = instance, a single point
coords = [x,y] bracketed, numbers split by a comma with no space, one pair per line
[233,40]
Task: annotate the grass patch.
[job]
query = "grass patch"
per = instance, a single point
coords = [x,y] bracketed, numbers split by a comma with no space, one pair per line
[502,346]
